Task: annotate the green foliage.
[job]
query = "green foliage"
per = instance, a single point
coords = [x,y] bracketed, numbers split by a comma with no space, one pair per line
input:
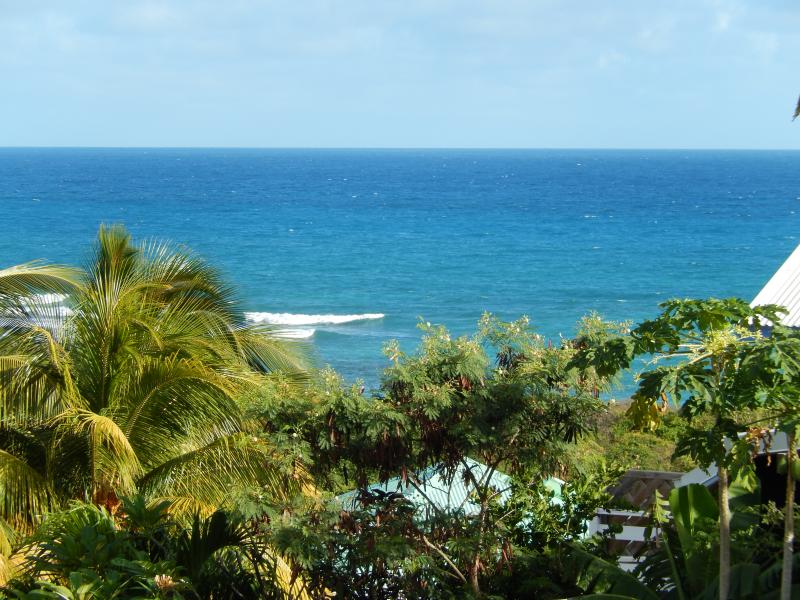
[85,553]
[385,547]
[154,401]
[712,362]
[685,561]
[599,578]
[449,402]
[438,406]
[698,349]
[375,552]
[195,547]
[81,553]
[683,564]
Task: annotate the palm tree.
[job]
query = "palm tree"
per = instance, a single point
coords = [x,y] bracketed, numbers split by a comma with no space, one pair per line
[127,381]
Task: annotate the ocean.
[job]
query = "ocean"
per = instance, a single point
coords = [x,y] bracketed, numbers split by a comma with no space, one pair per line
[350,248]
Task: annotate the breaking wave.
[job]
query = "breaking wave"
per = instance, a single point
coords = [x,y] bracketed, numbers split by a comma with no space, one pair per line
[300,319]
[293,334]
[291,325]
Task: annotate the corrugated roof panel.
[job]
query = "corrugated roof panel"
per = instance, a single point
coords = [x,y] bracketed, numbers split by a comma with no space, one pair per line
[446,495]
[783,289]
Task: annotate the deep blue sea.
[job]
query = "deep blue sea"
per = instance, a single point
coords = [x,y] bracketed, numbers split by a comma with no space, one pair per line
[438,234]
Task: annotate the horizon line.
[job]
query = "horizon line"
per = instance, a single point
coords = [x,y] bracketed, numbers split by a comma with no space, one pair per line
[449,148]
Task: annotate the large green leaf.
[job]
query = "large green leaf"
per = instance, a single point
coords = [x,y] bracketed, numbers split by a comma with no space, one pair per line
[744,492]
[595,575]
[744,584]
[694,511]
[691,506]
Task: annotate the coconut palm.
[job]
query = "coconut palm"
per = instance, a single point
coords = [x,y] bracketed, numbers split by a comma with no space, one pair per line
[124,378]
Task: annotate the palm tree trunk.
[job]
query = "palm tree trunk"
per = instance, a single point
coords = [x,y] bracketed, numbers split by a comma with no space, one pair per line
[724,535]
[788,532]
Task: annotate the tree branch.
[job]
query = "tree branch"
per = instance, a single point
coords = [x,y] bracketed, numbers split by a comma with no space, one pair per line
[444,556]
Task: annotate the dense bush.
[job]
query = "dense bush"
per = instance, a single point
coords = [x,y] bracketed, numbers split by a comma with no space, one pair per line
[617,441]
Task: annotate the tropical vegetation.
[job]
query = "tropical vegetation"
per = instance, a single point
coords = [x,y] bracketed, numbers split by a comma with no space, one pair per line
[155,444]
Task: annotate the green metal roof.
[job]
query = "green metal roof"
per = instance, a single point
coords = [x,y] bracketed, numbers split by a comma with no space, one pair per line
[438,491]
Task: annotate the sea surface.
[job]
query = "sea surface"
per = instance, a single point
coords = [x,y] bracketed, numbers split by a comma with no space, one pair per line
[350,248]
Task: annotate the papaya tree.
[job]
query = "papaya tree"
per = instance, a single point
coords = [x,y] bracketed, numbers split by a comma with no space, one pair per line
[774,369]
[696,350]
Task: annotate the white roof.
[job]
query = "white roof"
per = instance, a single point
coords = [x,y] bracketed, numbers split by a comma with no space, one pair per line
[783,289]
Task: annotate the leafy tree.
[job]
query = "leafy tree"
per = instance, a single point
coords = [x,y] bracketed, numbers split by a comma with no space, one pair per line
[445,406]
[542,527]
[774,369]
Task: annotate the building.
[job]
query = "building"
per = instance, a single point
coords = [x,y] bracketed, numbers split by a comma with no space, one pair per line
[434,490]
[783,289]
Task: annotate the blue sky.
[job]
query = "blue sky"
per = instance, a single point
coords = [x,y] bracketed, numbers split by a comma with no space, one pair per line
[406,73]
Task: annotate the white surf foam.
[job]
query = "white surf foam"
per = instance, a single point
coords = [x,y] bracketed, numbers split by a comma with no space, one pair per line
[298,325]
[300,319]
[293,334]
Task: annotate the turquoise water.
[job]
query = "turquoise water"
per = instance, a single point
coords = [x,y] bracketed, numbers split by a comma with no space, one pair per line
[439,234]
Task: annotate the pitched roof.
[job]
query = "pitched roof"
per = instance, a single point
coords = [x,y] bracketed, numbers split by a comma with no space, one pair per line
[784,289]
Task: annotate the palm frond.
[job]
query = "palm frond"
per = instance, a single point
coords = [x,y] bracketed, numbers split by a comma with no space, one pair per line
[264,350]
[34,363]
[38,278]
[8,538]
[208,474]
[285,576]
[12,362]
[180,276]
[115,461]
[25,494]
[169,406]
[9,561]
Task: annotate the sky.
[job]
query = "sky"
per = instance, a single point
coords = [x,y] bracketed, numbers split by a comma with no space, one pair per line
[400,73]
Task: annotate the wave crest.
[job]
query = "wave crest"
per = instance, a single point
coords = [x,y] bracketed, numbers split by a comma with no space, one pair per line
[301,319]
[293,334]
